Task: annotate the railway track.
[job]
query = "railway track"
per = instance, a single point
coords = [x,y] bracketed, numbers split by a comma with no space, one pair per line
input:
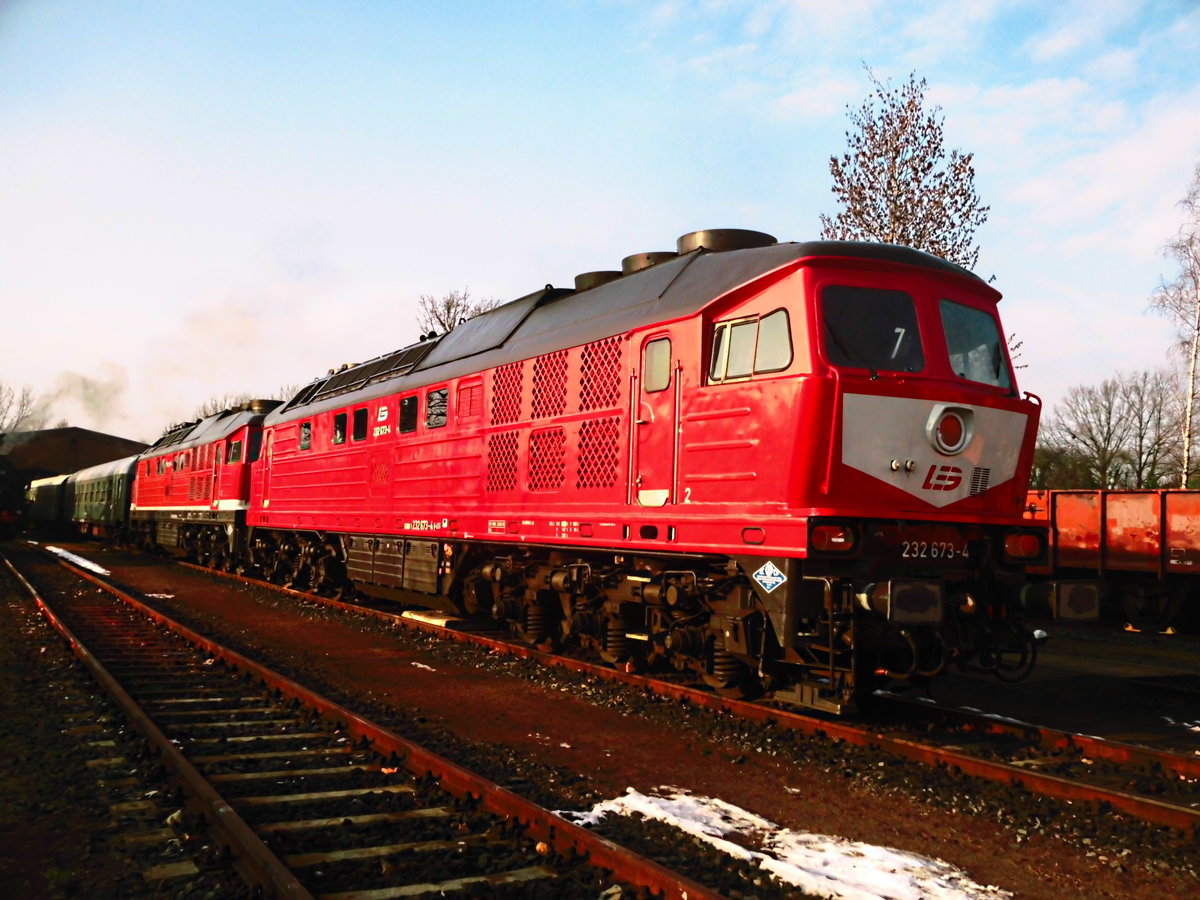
[306,798]
[1007,771]
[1151,785]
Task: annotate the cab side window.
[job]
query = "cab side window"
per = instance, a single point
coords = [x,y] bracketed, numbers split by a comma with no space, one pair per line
[752,346]
[339,428]
[360,424]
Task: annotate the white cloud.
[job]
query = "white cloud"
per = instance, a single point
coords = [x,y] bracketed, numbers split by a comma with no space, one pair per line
[1079,24]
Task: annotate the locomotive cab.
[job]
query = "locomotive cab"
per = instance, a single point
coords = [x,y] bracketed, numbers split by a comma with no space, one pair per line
[915,551]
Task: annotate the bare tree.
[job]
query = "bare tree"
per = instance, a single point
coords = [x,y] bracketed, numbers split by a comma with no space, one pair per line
[1090,422]
[1180,298]
[19,410]
[1122,434]
[220,403]
[896,183]
[1150,404]
[1060,467]
[286,392]
[438,315]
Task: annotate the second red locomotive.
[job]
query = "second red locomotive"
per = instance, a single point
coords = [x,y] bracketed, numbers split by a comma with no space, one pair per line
[791,466]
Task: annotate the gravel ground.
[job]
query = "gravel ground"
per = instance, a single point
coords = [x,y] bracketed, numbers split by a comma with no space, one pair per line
[568,741]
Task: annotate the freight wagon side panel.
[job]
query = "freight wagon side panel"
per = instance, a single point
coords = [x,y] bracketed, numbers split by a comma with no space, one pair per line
[1133,531]
[1183,532]
[1076,520]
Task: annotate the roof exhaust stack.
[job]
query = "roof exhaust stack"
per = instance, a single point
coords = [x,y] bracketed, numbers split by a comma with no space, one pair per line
[588,280]
[635,262]
[718,240]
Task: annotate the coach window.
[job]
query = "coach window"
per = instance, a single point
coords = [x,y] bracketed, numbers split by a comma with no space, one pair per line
[233,453]
[973,342]
[436,407]
[410,408]
[656,366]
[360,424]
[305,435]
[339,428]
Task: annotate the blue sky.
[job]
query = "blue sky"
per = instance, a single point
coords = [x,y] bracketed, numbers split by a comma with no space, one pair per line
[213,198]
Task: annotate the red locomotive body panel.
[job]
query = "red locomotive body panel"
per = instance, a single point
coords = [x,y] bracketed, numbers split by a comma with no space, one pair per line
[582,446]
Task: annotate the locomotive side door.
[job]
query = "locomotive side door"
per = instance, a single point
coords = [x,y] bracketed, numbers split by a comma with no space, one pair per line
[218,458]
[656,427]
[265,468]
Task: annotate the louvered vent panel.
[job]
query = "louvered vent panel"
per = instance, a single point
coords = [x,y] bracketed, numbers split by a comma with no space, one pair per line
[979,480]
[600,375]
[599,443]
[506,393]
[502,462]
[550,385]
[547,459]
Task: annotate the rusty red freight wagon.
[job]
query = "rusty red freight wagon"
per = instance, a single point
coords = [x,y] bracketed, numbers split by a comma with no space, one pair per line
[1137,551]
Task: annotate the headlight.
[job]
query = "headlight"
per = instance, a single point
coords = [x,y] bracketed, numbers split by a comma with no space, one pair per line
[904,602]
[1024,546]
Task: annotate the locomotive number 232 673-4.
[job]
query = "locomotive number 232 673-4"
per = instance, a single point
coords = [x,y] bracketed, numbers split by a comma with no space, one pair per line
[932,550]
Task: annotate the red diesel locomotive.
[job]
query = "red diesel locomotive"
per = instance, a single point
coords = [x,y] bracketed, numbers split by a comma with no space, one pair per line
[792,466]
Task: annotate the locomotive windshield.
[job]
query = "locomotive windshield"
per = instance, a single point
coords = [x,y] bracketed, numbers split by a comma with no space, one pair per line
[871,328]
[973,342]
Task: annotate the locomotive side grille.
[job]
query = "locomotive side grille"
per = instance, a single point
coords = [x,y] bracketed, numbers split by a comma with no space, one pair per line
[550,385]
[547,459]
[502,462]
[979,480]
[600,375]
[598,453]
[506,393]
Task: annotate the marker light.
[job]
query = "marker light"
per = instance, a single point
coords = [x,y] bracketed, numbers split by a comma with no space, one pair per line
[831,538]
[1023,545]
